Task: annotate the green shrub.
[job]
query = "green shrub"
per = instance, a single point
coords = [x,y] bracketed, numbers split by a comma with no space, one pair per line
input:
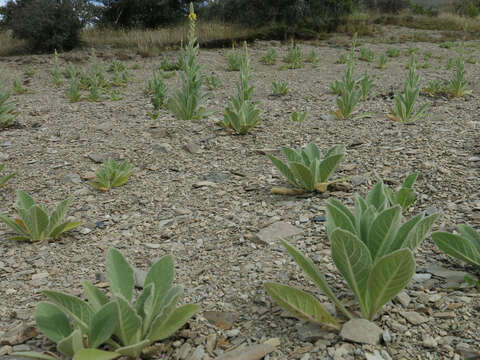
[270,57]
[112,174]
[7,108]
[280,88]
[45,25]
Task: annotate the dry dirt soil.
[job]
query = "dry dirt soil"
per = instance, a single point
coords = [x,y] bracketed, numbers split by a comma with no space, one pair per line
[203,195]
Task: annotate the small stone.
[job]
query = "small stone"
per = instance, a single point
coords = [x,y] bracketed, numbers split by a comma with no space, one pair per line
[277,231]
[18,333]
[71,179]
[211,343]
[84,230]
[254,352]
[273,341]
[421,277]
[318,219]
[445,315]
[387,338]
[431,211]
[5,350]
[414,317]
[162,148]
[403,298]
[192,148]
[221,319]
[163,223]
[153,246]
[429,342]
[39,276]
[474,158]
[232,333]
[358,180]
[311,332]
[361,331]
[198,354]
[140,276]
[98,158]
[21,347]
[184,351]
[200,184]
[378,355]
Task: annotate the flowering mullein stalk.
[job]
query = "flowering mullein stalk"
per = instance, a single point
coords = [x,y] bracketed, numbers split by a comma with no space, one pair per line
[186,102]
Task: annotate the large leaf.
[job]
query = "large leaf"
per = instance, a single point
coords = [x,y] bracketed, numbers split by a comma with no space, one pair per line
[24,200]
[292,155]
[419,232]
[404,230]
[410,181]
[337,218]
[71,344]
[146,298]
[36,355]
[96,298]
[103,324]
[14,226]
[470,234]
[95,354]
[376,197]
[312,271]
[284,169]
[174,322]
[383,230]
[120,274]
[160,311]
[390,275]
[37,222]
[52,322]
[353,260]
[59,214]
[73,306]
[300,304]
[328,166]
[312,152]
[161,274]
[129,323]
[66,226]
[133,350]
[457,246]
[304,175]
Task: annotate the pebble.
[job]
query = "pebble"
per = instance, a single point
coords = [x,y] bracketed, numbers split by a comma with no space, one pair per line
[277,231]
[429,342]
[414,317]
[403,298]
[361,331]
[309,332]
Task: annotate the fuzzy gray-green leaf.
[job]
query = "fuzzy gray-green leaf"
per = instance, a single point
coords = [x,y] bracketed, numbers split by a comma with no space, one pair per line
[103,324]
[284,169]
[457,246]
[52,322]
[120,274]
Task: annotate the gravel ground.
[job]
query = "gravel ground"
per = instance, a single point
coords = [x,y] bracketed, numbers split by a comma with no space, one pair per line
[204,195]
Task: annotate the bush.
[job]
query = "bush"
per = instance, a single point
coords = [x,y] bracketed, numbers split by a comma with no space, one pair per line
[319,15]
[46,25]
[467,7]
[391,6]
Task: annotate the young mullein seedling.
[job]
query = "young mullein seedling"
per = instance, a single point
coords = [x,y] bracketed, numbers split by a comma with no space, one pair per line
[112,174]
[412,50]
[464,246]
[115,95]
[72,71]
[234,60]
[34,224]
[366,84]
[159,92]
[294,58]
[17,87]
[97,71]
[270,58]
[186,103]
[125,326]
[242,114]
[366,55]
[305,169]
[29,72]
[7,108]
[393,52]
[403,109]
[313,58]
[458,85]
[450,64]
[5,178]
[280,88]
[434,87]
[298,116]
[56,73]
[447,45]
[73,92]
[382,62]
[212,82]
[96,93]
[336,87]
[342,59]
[165,65]
[117,66]
[371,248]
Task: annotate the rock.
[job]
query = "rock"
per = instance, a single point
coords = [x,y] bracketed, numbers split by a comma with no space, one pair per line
[344,352]
[445,315]
[403,298]
[421,277]
[18,333]
[217,177]
[183,352]
[429,342]
[277,231]
[221,319]
[383,355]
[192,148]
[358,180]
[71,179]
[414,318]
[474,158]
[211,343]
[163,223]
[254,352]
[140,276]
[273,341]
[198,354]
[98,158]
[200,184]
[5,350]
[361,331]
[152,245]
[39,276]
[386,337]
[450,275]
[319,218]
[311,332]
[162,148]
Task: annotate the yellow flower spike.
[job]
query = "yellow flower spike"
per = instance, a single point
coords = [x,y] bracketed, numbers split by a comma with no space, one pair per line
[192,16]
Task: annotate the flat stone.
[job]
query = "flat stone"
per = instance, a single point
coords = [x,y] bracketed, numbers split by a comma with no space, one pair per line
[198,354]
[221,319]
[451,275]
[311,332]
[403,298]
[361,331]
[184,351]
[429,342]
[200,184]
[414,317]
[162,148]
[377,355]
[140,276]
[192,148]
[217,177]
[421,277]
[358,180]
[98,158]
[277,231]
[18,333]
[254,352]
[211,343]
[71,179]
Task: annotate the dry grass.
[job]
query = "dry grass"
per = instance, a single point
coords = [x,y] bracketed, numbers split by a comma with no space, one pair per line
[149,42]
[10,46]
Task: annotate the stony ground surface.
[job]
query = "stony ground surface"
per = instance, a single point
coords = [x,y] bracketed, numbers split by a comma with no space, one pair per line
[204,196]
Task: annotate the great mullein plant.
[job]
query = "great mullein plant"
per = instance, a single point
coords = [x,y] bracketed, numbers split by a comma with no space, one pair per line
[403,109]
[186,103]
[242,114]
[458,84]
[372,248]
[7,108]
